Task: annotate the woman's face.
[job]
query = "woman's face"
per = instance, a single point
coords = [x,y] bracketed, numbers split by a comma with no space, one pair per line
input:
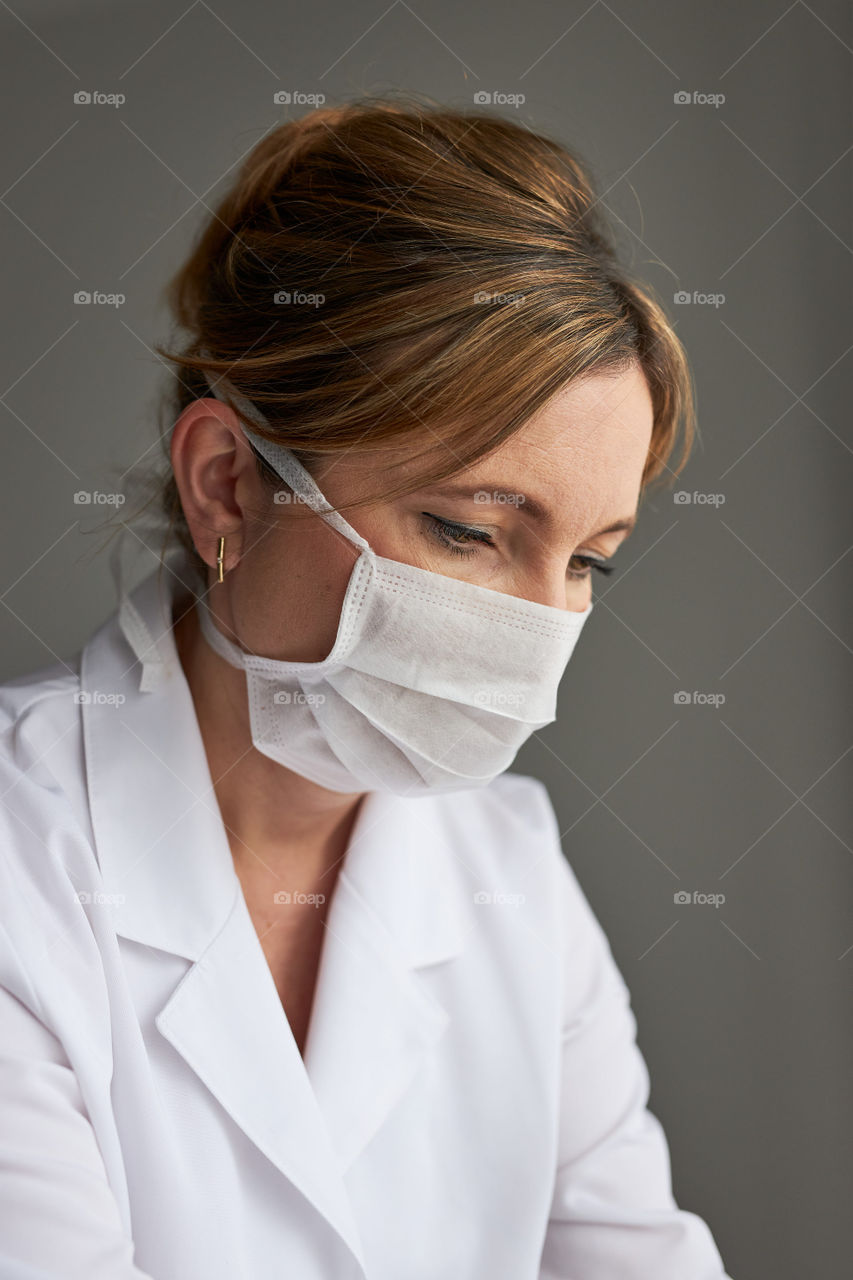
[528,520]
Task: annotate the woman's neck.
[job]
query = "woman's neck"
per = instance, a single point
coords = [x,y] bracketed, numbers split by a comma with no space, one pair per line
[277,822]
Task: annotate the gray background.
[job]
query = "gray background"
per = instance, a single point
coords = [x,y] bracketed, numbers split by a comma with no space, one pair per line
[743,1009]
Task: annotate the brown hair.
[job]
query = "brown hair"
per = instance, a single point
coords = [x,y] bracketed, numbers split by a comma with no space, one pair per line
[403,216]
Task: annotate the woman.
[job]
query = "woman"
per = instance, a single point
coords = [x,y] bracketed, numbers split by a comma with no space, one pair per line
[296,979]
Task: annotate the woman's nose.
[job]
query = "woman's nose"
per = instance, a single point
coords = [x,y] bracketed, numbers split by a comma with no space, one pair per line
[557,590]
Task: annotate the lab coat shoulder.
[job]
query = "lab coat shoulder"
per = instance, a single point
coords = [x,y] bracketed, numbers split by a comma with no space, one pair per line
[41,752]
[512,844]
[613,1210]
[507,853]
[55,1050]
[48,864]
[505,831]
[526,916]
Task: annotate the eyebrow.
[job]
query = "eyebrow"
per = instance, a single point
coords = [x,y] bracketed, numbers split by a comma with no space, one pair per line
[530,505]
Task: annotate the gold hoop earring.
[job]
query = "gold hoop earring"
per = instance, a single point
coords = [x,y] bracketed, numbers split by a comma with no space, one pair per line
[220,559]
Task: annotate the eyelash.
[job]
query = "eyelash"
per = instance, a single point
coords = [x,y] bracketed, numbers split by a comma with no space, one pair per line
[445,531]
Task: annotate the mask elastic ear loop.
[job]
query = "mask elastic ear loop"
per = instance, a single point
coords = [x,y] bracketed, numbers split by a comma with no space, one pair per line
[285,464]
[220,643]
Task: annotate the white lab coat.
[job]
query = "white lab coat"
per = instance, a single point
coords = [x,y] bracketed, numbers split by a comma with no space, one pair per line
[472,1102]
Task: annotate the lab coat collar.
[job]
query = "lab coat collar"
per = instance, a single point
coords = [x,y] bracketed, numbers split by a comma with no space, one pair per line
[161,845]
[163,850]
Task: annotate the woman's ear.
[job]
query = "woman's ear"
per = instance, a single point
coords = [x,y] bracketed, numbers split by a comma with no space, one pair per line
[216,477]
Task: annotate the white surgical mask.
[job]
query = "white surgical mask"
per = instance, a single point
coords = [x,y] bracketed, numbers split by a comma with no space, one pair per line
[432,684]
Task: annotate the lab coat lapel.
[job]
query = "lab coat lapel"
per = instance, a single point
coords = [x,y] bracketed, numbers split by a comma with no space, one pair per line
[226,1021]
[159,837]
[374,1021]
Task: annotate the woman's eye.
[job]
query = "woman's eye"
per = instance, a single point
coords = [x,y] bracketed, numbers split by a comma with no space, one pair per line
[464,540]
[588,563]
[455,536]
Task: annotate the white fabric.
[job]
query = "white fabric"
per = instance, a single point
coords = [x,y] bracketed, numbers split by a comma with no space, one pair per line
[432,684]
[472,1102]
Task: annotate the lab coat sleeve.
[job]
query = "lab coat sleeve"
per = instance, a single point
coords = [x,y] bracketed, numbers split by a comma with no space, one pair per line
[58,1216]
[613,1215]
